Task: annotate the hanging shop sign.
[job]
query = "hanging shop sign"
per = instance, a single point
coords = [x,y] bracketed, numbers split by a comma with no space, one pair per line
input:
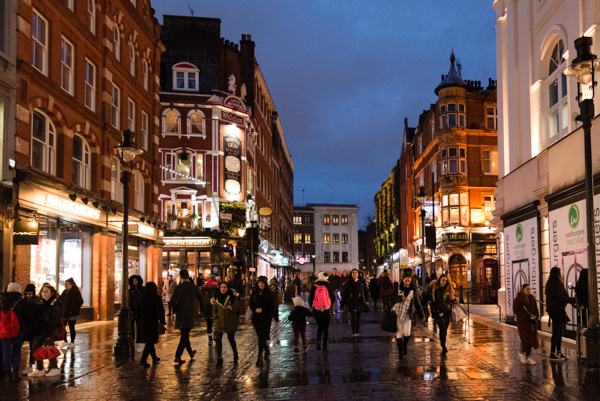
[455,237]
[187,242]
[232,117]
[235,102]
[521,259]
[232,149]
[65,205]
[26,233]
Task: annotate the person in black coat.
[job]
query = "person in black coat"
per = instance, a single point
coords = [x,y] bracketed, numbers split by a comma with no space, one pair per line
[556,302]
[322,316]
[12,300]
[71,301]
[208,291]
[136,288]
[410,309]
[298,318]
[47,324]
[441,297]
[151,314]
[374,291]
[264,309]
[581,293]
[184,304]
[30,300]
[355,296]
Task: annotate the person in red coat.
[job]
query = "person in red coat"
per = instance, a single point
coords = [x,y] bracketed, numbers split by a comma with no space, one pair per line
[385,289]
[524,308]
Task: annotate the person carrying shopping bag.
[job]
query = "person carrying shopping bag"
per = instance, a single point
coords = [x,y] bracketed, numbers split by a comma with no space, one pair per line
[406,309]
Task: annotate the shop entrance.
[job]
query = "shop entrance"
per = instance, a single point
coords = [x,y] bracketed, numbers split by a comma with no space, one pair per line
[459,272]
[490,281]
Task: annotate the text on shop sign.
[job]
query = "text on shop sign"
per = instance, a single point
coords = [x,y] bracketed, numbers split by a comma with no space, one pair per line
[55,202]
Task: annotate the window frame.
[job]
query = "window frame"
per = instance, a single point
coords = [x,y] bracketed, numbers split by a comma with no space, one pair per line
[131,51]
[454,164]
[145,73]
[488,161]
[326,238]
[491,118]
[186,71]
[116,189]
[67,51]
[556,112]
[344,220]
[48,144]
[83,165]
[165,122]
[91,13]
[454,111]
[117,41]
[90,88]
[115,107]
[144,130]
[131,114]
[190,124]
[39,42]
[139,191]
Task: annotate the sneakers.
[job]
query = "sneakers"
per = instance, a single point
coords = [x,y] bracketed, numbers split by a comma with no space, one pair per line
[37,373]
[296,351]
[53,372]
[65,344]
[306,347]
[530,361]
[27,370]
[554,357]
[563,356]
[70,345]
[522,357]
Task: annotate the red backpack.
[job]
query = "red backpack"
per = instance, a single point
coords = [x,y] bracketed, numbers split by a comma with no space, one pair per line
[9,324]
[322,300]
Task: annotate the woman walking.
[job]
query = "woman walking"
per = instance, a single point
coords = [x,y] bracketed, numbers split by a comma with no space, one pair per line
[225,311]
[264,309]
[208,292]
[12,300]
[30,300]
[442,298]
[136,288]
[406,309]
[556,302]
[47,324]
[525,308]
[320,296]
[71,301]
[355,297]
[151,315]
[374,292]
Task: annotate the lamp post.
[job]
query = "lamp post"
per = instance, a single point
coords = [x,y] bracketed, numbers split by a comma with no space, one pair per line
[422,195]
[127,152]
[583,68]
[314,262]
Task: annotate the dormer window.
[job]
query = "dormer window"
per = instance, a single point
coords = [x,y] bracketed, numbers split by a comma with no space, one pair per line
[185,77]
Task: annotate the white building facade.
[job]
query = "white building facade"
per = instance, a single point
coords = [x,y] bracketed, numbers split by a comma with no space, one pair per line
[540,195]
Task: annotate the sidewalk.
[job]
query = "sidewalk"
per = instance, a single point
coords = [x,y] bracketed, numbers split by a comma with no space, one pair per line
[482,365]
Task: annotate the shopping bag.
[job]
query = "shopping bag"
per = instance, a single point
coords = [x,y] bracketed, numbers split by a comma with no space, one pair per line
[46,352]
[458,313]
[61,333]
[389,322]
[248,314]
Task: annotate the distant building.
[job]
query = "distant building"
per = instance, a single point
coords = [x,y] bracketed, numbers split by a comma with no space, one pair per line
[387,209]
[304,238]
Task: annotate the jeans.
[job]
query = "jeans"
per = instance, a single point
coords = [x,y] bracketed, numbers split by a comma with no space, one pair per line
[557,330]
[443,322]
[184,343]
[72,329]
[323,329]
[11,352]
[219,340]
[299,332]
[355,321]
[39,341]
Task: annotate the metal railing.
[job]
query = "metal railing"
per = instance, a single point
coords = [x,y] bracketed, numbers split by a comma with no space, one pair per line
[470,293]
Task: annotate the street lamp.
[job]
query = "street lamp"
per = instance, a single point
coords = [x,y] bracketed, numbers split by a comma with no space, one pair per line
[422,196]
[127,152]
[314,262]
[583,68]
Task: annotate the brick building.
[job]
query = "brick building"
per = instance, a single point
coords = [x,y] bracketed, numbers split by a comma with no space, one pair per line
[304,238]
[87,71]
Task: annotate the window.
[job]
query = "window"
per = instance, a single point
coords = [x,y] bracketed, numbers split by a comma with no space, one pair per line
[133,2]
[336,257]
[117,41]
[336,238]
[344,238]
[180,166]
[171,121]
[558,112]
[326,219]
[185,77]
[344,220]
[307,239]
[145,74]
[130,115]
[69,4]
[335,220]
[90,85]
[491,122]
[344,257]
[490,162]
[488,208]
[196,122]
[455,209]
[432,128]
[326,257]
[131,59]
[145,138]
[297,219]
[66,65]
[91,16]
[454,161]
[452,115]
[297,238]
[39,35]
[43,155]
[199,166]
[433,168]
[116,189]
[307,219]
[138,179]
[116,107]
[81,162]
[326,238]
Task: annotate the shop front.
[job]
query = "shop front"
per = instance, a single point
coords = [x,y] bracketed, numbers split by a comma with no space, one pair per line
[196,254]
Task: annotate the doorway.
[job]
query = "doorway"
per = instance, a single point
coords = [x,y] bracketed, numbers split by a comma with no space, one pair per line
[458,270]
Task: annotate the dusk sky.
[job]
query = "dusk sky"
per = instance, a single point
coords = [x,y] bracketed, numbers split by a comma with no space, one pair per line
[345,74]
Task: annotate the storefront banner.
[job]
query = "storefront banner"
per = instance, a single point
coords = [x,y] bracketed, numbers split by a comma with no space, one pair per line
[185,242]
[521,260]
[26,233]
[568,243]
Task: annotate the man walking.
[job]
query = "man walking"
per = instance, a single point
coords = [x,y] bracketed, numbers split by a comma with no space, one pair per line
[335,282]
[183,301]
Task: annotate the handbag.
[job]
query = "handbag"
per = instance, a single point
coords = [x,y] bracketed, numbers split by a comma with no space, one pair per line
[457,313]
[248,314]
[532,317]
[389,322]
[46,352]
[61,333]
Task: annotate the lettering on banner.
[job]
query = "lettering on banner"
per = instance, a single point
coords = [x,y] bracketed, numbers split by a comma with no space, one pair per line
[65,205]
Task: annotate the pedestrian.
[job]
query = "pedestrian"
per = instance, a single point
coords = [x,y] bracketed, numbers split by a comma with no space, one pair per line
[226,307]
[12,300]
[136,288]
[237,285]
[264,309]
[525,308]
[345,277]
[385,289]
[298,284]
[335,282]
[170,289]
[581,293]
[30,300]
[355,297]
[321,300]
[298,318]
[556,302]
[208,292]
[407,308]
[151,316]
[47,323]
[290,292]
[374,291]
[441,300]
[184,304]
[71,301]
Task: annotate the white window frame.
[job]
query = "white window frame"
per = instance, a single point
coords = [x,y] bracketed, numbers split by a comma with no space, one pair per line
[91,12]
[83,165]
[116,188]
[491,118]
[432,127]
[171,157]
[69,4]
[459,161]
[67,61]
[48,144]
[130,115]
[186,71]
[145,73]
[145,137]
[489,160]
[116,107]
[90,85]
[139,191]
[433,169]
[557,113]
[39,39]
[164,122]
[131,50]
[458,111]
[189,123]
[117,41]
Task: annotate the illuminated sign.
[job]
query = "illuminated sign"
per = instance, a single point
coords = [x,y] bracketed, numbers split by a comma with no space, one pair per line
[187,242]
[144,229]
[65,205]
[301,260]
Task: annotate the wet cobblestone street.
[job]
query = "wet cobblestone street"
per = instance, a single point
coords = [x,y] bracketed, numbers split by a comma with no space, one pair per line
[482,365]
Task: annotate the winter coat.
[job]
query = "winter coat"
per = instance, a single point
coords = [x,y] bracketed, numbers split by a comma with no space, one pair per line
[298,317]
[523,305]
[183,302]
[354,295]
[237,285]
[373,288]
[335,281]
[441,305]
[298,284]
[311,298]
[135,293]
[290,292]
[14,301]
[226,321]
[384,281]
[28,325]
[208,291]
[415,307]
[266,301]
[47,317]
[71,303]
[151,313]
[171,288]
[557,297]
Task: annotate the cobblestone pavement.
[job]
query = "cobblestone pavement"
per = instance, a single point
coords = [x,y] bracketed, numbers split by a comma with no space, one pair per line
[482,365]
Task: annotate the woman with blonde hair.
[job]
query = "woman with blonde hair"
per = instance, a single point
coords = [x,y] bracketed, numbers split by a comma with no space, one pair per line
[441,299]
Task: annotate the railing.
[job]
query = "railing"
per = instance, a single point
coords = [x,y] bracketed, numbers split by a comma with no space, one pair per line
[471,293]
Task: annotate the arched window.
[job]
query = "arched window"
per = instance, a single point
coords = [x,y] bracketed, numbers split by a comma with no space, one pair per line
[81,162]
[117,41]
[196,122]
[185,77]
[171,121]
[91,10]
[43,154]
[131,59]
[558,108]
[138,179]
[145,73]
[116,189]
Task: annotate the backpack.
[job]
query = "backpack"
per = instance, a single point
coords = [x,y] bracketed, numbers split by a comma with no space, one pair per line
[386,283]
[9,324]
[322,301]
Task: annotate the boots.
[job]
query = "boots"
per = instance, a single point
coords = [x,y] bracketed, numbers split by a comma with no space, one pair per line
[405,345]
[235,357]
[399,346]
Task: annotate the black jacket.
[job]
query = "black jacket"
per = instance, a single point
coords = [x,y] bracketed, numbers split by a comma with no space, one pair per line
[332,296]
[335,281]
[47,317]
[298,317]
[184,304]
[71,303]
[135,293]
[207,291]
[415,303]
[556,297]
[28,326]
[264,300]
[151,312]
[354,295]
[373,288]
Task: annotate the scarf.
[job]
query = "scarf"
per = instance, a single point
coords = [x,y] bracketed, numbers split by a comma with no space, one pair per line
[401,309]
[222,298]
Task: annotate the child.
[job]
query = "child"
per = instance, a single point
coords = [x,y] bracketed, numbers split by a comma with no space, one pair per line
[298,319]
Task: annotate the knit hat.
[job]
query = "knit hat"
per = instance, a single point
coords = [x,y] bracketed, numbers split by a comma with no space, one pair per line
[29,288]
[14,287]
[298,301]
[321,277]
[263,279]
